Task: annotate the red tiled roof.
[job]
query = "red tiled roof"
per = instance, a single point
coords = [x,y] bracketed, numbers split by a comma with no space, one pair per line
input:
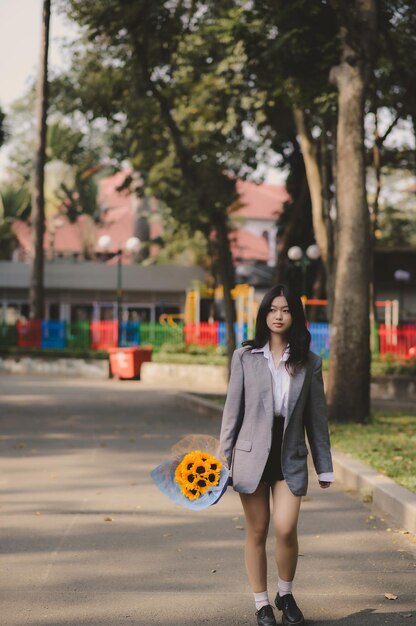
[260,201]
[246,246]
[118,216]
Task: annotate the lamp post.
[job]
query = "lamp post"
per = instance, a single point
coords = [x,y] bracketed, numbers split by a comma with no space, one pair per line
[402,277]
[132,245]
[303,258]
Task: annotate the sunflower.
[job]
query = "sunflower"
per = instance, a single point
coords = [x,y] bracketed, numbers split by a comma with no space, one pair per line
[196,473]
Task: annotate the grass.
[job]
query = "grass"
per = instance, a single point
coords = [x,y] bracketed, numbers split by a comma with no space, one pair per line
[54,353]
[387,443]
[189,359]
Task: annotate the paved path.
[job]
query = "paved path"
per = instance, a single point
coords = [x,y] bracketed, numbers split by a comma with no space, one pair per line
[73,453]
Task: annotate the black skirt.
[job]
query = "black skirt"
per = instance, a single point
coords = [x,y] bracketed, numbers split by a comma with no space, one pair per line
[273,469]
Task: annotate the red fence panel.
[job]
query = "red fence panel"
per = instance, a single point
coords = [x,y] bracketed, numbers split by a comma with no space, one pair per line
[400,341]
[29,334]
[104,335]
[203,334]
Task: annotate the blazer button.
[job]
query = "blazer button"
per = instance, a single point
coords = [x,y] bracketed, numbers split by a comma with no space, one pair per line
[268,449]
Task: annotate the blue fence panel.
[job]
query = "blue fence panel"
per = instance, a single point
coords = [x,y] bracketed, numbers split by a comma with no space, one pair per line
[53,335]
[222,339]
[320,338]
[240,333]
[128,334]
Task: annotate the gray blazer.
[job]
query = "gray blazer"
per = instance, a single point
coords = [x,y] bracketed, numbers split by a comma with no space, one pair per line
[247,422]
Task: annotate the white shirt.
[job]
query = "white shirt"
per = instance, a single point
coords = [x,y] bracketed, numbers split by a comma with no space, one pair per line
[281,379]
[281,385]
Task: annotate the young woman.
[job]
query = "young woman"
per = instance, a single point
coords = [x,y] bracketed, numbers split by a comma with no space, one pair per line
[275,393]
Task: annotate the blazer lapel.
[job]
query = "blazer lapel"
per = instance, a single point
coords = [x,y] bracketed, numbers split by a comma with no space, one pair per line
[295,388]
[264,382]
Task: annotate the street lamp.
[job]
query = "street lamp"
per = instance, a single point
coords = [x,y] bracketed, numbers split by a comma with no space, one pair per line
[132,245]
[303,259]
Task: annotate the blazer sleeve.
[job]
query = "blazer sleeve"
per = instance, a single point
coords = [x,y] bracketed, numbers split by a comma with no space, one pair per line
[316,422]
[232,416]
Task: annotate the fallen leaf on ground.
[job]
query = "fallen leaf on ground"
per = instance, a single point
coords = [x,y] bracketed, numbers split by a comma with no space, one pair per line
[239,527]
[108,519]
[406,614]
[390,596]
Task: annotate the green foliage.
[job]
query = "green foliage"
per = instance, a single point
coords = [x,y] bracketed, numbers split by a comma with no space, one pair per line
[389,364]
[3,133]
[14,203]
[190,359]
[193,349]
[54,353]
[172,87]
[397,227]
[72,143]
[387,443]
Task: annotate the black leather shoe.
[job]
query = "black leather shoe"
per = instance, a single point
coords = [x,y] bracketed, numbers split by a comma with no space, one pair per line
[292,615]
[265,616]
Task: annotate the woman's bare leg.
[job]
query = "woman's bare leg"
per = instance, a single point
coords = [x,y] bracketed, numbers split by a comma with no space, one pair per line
[286,508]
[257,513]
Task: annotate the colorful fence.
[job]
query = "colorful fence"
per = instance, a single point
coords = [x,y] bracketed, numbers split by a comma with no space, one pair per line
[320,338]
[399,342]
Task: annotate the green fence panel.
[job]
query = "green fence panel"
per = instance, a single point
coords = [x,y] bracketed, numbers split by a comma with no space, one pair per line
[8,335]
[157,335]
[78,335]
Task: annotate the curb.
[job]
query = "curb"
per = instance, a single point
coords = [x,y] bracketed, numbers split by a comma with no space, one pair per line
[389,497]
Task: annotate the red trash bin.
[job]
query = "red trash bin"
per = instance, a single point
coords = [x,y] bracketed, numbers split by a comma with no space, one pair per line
[127,362]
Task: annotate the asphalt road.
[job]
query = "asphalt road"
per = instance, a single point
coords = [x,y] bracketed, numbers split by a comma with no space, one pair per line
[87,539]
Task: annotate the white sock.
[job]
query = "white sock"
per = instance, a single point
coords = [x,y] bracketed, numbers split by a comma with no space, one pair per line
[261,599]
[285,586]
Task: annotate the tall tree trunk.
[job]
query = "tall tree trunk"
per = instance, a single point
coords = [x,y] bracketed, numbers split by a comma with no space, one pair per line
[226,269]
[36,295]
[286,240]
[313,175]
[349,375]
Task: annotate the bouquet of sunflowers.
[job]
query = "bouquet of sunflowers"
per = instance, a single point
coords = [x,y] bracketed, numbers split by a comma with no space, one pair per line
[196,475]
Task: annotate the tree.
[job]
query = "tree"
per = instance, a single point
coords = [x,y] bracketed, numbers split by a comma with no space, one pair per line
[350,328]
[173,84]
[2,128]
[290,48]
[36,302]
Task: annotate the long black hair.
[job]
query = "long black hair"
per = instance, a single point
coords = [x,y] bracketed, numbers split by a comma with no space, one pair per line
[298,336]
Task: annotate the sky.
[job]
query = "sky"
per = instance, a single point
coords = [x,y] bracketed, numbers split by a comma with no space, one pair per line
[20,26]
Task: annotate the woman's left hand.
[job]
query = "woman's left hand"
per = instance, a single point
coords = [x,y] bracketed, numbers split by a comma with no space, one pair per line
[324,484]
